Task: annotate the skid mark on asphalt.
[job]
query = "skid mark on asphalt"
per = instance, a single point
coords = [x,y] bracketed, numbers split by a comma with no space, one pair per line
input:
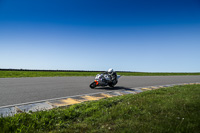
[67,101]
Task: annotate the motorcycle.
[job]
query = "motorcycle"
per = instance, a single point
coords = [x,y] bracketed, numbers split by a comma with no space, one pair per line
[103,80]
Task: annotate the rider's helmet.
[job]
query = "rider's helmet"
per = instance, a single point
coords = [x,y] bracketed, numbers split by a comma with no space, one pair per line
[110,70]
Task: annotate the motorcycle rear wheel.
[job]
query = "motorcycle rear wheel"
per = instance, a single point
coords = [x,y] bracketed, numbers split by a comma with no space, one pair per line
[111,85]
[93,85]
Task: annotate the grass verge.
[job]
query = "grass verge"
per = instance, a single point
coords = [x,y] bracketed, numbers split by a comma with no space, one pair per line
[17,74]
[173,109]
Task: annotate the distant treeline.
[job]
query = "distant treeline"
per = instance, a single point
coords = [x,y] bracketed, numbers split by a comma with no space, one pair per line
[53,70]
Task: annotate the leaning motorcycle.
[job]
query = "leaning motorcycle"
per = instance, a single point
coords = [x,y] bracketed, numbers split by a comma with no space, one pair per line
[103,80]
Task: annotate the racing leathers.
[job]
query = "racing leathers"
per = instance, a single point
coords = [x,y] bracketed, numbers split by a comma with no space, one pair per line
[113,76]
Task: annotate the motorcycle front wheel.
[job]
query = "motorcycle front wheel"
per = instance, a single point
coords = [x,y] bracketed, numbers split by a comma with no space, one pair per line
[93,85]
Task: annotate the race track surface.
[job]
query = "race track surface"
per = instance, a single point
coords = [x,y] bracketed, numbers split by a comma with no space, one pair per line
[22,90]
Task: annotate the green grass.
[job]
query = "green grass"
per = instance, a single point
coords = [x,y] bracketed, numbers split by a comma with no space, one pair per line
[17,74]
[174,109]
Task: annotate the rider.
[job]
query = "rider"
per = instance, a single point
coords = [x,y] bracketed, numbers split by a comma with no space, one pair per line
[112,74]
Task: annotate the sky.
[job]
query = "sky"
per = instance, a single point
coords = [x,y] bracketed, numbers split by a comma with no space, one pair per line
[126,35]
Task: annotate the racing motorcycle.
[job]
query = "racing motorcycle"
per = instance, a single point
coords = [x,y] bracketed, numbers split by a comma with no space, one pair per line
[103,80]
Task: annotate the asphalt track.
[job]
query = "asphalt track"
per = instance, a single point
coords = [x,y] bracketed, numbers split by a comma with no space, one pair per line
[22,90]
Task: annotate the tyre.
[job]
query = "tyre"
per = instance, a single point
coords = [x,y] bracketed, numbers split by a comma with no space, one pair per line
[115,82]
[92,85]
[111,85]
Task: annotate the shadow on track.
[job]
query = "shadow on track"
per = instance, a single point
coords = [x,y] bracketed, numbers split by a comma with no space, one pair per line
[113,88]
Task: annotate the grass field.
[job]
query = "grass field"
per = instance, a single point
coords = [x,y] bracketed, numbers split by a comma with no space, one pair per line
[17,74]
[13,74]
[173,109]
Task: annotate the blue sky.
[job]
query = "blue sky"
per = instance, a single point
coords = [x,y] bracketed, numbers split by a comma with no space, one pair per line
[127,35]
